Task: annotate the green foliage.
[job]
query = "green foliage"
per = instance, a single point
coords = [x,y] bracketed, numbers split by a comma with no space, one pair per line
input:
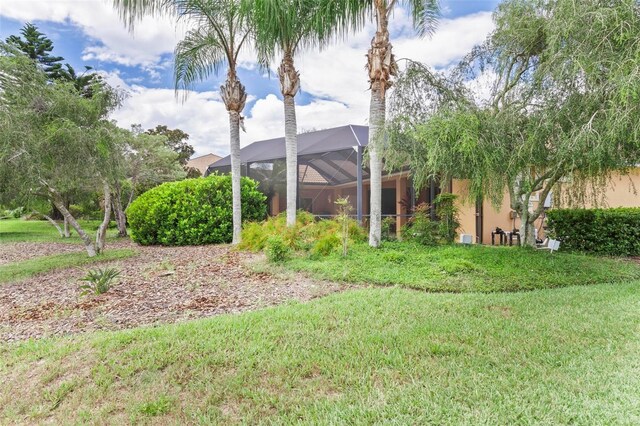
[276,249]
[448,217]
[343,218]
[387,225]
[192,211]
[176,140]
[552,115]
[326,244]
[612,232]
[558,357]
[318,237]
[457,268]
[420,228]
[98,281]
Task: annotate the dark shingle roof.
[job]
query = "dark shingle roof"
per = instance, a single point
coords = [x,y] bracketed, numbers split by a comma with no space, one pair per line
[322,141]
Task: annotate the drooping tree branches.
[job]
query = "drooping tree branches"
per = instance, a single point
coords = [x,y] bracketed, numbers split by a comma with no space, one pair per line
[556,111]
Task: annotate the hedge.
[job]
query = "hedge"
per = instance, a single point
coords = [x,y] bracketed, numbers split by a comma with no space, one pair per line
[613,232]
[192,211]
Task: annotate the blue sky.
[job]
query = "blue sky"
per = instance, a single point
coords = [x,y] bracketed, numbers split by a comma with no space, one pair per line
[334,90]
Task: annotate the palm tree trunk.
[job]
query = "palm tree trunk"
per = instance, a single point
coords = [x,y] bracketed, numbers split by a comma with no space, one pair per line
[376,123]
[234,97]
[289,85]
[381,66]
[291,146]
[234,145]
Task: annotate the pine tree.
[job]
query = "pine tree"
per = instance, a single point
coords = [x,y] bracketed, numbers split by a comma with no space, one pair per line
[38,47]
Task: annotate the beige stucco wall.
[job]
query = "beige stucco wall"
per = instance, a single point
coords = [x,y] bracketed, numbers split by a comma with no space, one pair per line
[203,162]
[619,193]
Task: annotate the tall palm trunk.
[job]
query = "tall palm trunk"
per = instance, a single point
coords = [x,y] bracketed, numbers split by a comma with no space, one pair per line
[289,85]
[381,66]
[234,96]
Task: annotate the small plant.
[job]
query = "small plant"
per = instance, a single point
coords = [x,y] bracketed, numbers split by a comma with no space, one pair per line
[277,250]
[325,245]
[98,281]
[421,228]
[388,224]
[447,213]
[344,210]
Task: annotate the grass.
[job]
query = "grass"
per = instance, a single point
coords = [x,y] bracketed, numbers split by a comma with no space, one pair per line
[28,268]
[465,268]
[19,230]
[376,355]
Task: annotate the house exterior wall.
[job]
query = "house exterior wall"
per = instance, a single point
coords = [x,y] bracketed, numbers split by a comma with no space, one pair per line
[203,162]
[619,193]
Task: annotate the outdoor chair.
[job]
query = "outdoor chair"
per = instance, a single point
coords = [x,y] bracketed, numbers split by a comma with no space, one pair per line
[549,244]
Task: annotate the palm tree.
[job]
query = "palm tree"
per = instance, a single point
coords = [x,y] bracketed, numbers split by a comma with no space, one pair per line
[282,27]
[220,32]
[381,66]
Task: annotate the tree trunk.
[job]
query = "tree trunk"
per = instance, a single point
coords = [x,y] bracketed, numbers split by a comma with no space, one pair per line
[376,123]
[118,211]
[527,234]
[234,97]
[102,229]
[67,234]
[289,85]
[51,221]
[88,244]
[236,188]
[381,66]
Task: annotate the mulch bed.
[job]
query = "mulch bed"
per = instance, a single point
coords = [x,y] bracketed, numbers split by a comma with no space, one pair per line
[17,252]
[160,285]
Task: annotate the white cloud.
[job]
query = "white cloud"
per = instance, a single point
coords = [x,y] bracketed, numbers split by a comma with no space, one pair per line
[110,40]
[335,77]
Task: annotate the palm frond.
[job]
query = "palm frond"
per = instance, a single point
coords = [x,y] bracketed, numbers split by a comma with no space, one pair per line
[197,56]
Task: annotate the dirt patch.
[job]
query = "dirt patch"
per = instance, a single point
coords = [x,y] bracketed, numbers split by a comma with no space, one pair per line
[161,284]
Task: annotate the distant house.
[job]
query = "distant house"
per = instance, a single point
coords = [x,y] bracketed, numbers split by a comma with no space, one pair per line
[331,165]
[203,162]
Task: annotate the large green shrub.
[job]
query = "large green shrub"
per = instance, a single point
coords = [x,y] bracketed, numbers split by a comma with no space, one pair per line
[192,211]
[614,232]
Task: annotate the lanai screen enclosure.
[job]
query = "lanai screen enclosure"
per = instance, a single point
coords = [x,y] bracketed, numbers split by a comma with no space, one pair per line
[331,164]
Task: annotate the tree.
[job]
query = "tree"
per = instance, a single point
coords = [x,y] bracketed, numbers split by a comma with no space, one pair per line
[561,114]
[219,33]
[148,161]
[38,48]
[53,140]
[176,140]
[381,67]
[282,27]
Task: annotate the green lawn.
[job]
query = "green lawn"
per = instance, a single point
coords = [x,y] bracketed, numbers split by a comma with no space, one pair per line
[27,268]
[377,355]
[465,268]
[18,230]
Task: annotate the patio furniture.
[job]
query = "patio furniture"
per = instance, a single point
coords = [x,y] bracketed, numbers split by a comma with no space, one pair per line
[509,236]
[501,234]
[550,244]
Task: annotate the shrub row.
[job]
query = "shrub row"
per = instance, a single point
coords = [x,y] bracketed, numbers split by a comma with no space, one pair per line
[192,211]
[613,232]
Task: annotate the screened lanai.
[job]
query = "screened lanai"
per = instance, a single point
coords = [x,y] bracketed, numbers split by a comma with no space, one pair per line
[330,166]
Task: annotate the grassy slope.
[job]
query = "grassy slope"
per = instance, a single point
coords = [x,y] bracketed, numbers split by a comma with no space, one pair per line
[372,355]
[18,230]
[463,268]
[20,270]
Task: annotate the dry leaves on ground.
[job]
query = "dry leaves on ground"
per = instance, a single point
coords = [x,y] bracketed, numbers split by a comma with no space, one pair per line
[162,284]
